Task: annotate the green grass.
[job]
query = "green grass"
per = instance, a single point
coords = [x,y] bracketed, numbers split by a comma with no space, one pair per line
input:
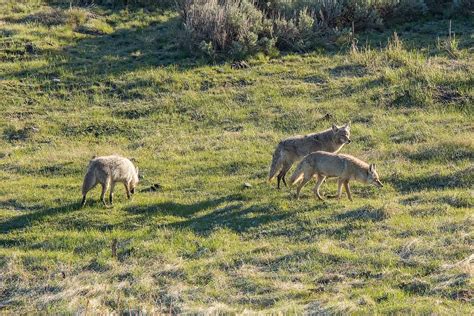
[203,242]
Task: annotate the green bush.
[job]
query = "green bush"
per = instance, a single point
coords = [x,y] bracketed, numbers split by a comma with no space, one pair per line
[295,33]
[397,11]
[341,13]
[465,7]
[235,27]
[150,4]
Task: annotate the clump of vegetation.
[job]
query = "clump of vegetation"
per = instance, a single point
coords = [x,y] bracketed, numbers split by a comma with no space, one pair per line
[416,86]
[12,134]
[117,3]
[397,11]
[233,26]
[237,28]
[50,16]
[95,27]
[296,33]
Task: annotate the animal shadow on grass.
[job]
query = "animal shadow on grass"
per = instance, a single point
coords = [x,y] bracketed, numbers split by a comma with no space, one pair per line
[365,213]
[327,225]
[17,205]
[35,214]
[204,216]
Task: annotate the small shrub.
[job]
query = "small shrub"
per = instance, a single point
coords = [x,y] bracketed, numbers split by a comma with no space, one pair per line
[296,33]
[438,6]
[397,11]
[464,6]
[363,13]
[76,16]
[447,8]
[231,26]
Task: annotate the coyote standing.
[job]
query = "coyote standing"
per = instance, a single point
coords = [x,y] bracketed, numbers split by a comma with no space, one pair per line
[324,164]
[108,170]
[294,148]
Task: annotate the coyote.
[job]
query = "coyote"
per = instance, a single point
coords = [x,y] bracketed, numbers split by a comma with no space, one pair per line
[295,148]
[108,170]
[324,164]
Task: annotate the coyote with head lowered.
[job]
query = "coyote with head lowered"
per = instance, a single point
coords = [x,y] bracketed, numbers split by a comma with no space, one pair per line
[295,148]
[107,171]
[324,164]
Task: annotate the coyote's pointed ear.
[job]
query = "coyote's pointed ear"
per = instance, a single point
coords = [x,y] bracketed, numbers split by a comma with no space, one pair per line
[372,167]
[348,125]
[334,128]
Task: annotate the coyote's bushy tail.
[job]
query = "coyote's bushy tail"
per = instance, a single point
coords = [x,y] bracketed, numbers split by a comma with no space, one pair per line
[89,181]
[298,174]
[276,163]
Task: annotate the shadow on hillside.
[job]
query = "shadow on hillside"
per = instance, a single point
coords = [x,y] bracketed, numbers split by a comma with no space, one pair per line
[460,179]
[446,151]
[87,62]
[234,214]
[35,215]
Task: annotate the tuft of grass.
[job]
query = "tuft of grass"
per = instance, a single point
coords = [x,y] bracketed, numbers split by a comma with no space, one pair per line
[95,27]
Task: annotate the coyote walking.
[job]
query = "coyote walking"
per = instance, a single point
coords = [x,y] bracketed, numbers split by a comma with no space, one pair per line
[108,170]
[294,148]
[324,164]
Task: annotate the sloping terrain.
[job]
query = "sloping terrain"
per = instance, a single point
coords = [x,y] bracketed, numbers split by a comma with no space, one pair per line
[81,82]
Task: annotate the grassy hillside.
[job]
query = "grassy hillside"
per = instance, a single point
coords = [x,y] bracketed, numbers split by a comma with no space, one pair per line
[81,82]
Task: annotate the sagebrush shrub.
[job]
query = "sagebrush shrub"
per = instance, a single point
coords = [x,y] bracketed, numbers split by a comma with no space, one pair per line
[465,7]
[233,26]
[397,11]
[132,3]
[238,28]
[295,33]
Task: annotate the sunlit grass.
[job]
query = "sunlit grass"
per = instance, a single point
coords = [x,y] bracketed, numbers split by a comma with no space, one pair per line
[203,241]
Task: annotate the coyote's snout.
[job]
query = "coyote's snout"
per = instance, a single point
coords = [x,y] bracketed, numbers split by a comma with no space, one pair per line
[295,148]
[345,167]
[108,170]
